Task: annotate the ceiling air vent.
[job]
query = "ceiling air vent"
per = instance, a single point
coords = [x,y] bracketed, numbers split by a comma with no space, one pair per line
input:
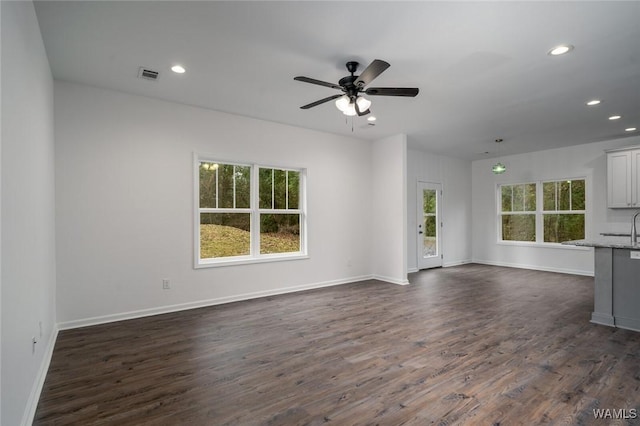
[148,74]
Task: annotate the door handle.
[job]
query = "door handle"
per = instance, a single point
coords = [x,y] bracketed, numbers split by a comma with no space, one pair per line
[419,232]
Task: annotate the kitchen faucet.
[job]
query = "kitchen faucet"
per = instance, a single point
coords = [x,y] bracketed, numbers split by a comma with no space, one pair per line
[634,234]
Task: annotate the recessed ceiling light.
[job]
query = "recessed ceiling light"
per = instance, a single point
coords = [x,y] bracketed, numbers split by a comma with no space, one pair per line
[560,50]
[179,69]
[594,102]
[630,129]
[372,118]
[615,117]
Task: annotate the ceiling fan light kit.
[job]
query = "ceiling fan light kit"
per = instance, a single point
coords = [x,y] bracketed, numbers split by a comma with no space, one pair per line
[352,103]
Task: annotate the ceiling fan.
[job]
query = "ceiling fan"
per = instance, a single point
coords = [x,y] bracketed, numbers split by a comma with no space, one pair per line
[351,102]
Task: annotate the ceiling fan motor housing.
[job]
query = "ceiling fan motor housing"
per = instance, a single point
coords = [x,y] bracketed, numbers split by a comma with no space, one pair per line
[352,66]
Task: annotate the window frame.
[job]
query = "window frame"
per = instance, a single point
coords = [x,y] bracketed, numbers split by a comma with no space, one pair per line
[516,212]
[254,211]
[540,212]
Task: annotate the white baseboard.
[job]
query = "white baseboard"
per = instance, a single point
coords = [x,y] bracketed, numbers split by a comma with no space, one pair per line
[203,303]
[391,280]
[535,267]
[36,390]
[412,270]
[627,323]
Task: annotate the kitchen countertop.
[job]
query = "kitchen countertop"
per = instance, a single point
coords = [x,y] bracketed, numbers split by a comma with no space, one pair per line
[619,242]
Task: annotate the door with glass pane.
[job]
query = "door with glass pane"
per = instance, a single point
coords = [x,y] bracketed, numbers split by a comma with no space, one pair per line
[429,223]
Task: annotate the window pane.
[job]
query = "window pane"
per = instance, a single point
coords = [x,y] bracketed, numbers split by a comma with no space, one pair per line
[208,184]
[294,189]
[506,197]
[225,186]
[265,188]
[243,185]
[429,201]
[518,198]
[521,227]
[577,195]
[430,236]
[279,189]
[563,227]
[564,194]
[549,195]
[279,233]
[530,197]
[224,234]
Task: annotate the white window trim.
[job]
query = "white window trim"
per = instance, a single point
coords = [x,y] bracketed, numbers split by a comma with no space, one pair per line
[254,211]
[539,215]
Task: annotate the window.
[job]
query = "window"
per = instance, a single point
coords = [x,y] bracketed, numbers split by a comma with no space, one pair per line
[248,213]
[518,212]
[280,212]
[563,210]
[542,212]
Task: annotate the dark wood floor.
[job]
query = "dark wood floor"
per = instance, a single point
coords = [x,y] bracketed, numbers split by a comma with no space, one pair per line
[474,344]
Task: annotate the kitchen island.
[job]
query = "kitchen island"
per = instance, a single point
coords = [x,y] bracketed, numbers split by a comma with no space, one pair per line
[617,281]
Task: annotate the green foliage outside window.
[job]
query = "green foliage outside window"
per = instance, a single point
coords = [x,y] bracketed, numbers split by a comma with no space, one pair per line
[562,200]
[516,203]
[225,192]
[429,203]
[562,211]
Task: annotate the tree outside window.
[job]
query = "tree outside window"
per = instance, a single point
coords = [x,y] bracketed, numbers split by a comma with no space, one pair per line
[544,212]
[248,212]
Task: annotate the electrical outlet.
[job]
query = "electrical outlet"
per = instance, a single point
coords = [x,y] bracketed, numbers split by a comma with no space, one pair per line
[33,344]
[166,284]
[635,254]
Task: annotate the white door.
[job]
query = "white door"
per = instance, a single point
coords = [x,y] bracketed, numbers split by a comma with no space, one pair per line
[429,223]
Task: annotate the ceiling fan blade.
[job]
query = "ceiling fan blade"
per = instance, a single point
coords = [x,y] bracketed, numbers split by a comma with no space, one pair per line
[392,91]
[318,82]
[321,101]
[374,69]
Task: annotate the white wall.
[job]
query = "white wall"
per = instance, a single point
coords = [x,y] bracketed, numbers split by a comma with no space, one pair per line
[28,246]
[588,161]
[125,199]
[388,205]
[455,176]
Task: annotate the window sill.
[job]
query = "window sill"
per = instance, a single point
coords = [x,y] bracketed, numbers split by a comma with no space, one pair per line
[542,245]
[245,260]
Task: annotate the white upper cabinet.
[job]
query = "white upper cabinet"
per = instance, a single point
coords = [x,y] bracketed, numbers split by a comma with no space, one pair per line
[623,178]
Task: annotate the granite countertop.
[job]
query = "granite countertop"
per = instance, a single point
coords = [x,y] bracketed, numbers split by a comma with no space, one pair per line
[620,242]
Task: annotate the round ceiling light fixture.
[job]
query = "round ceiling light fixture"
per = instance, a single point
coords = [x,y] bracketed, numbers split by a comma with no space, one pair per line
[178,69]
[593,102]
[615,117]
[560,50]
[630,129]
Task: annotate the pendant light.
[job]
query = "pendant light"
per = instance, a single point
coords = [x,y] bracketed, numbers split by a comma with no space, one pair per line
[498,168]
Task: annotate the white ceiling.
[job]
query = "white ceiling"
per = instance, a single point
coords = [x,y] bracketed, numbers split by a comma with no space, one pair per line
[482,67]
